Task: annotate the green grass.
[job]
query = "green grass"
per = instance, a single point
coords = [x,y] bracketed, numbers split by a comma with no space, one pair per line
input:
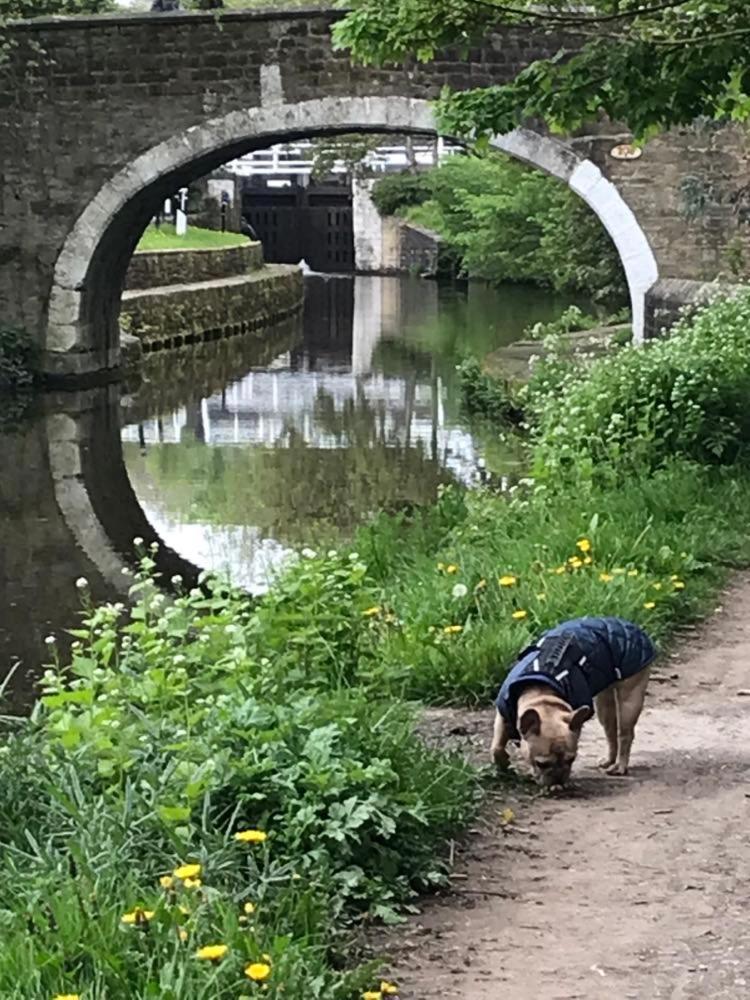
[164,238]
[660,547]
[184,722]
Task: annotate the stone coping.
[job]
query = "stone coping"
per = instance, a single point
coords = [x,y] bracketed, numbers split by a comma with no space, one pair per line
[157,18]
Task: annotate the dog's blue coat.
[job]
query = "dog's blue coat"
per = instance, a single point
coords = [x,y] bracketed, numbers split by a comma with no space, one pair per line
[601,651]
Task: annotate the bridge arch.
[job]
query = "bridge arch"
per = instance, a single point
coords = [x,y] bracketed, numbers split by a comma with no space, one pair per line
[82,335]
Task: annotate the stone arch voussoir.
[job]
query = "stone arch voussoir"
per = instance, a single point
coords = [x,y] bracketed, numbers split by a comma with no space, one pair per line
[67,331]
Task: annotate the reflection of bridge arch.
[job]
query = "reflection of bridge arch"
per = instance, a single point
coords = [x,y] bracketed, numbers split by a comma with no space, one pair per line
[67,510]
[82,334]
[92,491]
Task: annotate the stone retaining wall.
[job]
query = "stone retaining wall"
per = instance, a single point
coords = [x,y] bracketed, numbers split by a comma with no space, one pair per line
[156,268]
[669,299]
[420,249]
[174,315]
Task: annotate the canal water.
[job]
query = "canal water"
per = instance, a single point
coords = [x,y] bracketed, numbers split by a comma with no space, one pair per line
[233,455]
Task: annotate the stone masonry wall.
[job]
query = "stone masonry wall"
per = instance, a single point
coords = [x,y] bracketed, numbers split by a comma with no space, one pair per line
[108,89]
[175,315]
[690,190]
[151,269]
[672,298]
[81,98]
[420,249]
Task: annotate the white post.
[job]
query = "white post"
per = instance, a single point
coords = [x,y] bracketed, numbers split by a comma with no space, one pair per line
[180,215]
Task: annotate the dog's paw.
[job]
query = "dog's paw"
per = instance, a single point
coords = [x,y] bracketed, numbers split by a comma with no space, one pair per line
[617,769]
[605,762]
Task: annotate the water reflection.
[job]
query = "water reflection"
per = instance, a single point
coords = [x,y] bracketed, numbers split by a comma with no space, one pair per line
[362,414]
[236,451]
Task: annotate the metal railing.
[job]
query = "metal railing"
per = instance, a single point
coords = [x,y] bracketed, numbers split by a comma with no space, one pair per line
[298,158]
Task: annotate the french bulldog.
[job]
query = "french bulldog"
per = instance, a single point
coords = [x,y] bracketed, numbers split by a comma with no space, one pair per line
[547,696]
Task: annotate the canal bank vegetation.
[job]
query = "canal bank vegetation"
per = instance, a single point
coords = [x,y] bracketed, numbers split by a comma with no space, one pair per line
[215,793]
[501,221]
[207,800]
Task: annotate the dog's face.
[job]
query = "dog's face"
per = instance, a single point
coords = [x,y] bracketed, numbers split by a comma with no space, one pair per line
[549,742]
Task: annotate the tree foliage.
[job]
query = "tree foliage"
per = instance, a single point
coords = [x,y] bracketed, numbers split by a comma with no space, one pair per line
[649,63]
[505,222]
[11,10]
[351,150]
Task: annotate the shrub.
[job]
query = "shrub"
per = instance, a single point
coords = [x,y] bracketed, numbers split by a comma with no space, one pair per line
[18,358]
[395,192]
[685,395]
[506,222]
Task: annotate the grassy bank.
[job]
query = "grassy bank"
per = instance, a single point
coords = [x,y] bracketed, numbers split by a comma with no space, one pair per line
[164,238]
[271,747]
[234,739]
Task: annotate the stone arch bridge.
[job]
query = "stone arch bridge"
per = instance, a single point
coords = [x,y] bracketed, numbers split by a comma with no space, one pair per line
[104,117]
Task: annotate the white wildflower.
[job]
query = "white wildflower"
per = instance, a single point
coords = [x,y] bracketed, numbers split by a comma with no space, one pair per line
[460,590]
[82,583]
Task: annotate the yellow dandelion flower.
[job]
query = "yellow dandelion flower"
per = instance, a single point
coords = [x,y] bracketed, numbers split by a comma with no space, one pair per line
[678,584]
[575,562]
[249,908]
[451,568]
[187,871]
[584,545]
[137,916]
[649,605]
[212,952]
[388,988]
[372,995]
[192,883]
[67,996]
[166,881]
[656,586]
[519,615]
[606,577]
[587,560]
[560,570]
[371,612]
[453,629]
[507,581]
[258,971]
[632,572]
[251,836]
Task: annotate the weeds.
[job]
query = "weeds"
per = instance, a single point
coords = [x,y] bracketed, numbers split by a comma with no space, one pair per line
[236,738]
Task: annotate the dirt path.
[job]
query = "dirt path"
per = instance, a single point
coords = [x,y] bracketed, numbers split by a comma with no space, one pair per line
[634,887]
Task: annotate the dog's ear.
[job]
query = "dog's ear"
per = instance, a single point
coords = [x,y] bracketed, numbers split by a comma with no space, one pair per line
[530,723]
[578,718]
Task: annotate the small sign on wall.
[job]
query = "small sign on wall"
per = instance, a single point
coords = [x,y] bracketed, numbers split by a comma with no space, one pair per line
[626,151]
